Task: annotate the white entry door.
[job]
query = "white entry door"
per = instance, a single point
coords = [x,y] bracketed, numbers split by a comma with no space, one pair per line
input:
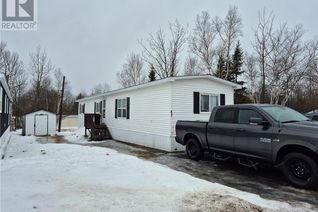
[41,124]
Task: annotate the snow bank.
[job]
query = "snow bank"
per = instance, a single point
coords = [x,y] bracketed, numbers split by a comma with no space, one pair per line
[4,141]
[76,136]
[66,177]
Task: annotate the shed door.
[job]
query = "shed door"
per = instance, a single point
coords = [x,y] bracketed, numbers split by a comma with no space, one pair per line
[41,124]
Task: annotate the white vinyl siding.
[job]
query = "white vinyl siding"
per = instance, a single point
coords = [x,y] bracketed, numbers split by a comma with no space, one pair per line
[154,110]
[182,98]
[149,109]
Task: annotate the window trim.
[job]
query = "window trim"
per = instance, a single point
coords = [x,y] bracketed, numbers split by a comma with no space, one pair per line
[210,99]
[97,107]
[120,107]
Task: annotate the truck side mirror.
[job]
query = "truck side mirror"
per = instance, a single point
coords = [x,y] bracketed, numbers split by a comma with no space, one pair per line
[258,121]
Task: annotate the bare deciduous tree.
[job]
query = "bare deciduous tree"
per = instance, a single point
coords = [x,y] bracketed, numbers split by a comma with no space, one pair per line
[229,31]
[252,76]
[99,89]
[286,65]
[3,46]
[282,57]
[11,66]
[40,68]
[202,41]
[191,67]
[132,72]
[163,53]
[261,44]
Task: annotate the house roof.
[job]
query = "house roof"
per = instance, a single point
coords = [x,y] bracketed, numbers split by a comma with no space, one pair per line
[162,81]
[5,85]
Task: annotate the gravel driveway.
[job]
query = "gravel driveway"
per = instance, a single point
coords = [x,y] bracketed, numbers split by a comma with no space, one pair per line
[265,181]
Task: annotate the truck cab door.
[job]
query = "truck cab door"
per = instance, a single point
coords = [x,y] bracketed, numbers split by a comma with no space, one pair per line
[254,139]
[221,130]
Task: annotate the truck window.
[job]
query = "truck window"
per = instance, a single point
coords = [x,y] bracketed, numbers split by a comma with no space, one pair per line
[225,115]
[245,115]
[315,118]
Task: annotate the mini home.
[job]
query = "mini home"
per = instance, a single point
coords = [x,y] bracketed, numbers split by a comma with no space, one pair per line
[5,106]
[39,123]
[146,114]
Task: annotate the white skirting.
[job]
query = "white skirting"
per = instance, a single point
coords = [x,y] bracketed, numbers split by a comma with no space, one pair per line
[162,142]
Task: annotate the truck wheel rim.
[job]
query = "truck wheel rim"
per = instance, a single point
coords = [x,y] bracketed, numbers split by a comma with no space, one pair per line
[192,149]
[300,169]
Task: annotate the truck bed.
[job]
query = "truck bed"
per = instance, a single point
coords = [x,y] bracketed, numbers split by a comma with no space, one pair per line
[198,128]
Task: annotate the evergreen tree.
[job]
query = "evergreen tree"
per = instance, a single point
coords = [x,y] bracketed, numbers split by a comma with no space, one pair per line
[221,72]
[236,65]
[240,95]
[152,74]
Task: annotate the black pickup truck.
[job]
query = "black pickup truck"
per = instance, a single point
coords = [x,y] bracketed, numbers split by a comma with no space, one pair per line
[257,133]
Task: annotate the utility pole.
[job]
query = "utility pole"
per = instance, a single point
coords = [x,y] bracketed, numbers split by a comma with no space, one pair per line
[61,105]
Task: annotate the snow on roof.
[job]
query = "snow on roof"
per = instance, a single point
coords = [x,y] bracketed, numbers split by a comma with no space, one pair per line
[5,85]
[38,111]
[162,81]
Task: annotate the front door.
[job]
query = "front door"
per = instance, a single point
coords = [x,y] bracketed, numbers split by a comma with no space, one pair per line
[41,124]
[250,139]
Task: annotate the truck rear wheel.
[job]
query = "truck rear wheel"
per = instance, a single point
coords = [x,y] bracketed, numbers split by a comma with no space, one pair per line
[193,149]
[301,170]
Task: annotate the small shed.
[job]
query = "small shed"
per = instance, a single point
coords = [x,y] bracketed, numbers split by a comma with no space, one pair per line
[39,123]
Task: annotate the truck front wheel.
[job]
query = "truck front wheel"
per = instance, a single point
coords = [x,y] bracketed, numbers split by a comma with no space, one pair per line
[300,169]
[193,149]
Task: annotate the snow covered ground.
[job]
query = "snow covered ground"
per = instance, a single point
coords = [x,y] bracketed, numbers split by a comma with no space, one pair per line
[66,177]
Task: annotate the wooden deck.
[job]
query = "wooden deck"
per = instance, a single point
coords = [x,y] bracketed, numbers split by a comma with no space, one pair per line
[98,130]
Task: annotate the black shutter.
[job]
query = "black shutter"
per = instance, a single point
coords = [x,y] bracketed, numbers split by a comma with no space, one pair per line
[128,108]
[94,107]
[196,102]
[115,108]
[100,107]
[222,99]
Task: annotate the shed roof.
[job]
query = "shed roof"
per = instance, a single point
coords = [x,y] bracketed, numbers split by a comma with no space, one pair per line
[162,81]
[41,110]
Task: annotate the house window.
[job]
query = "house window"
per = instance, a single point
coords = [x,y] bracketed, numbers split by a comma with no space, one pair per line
[121,108]
[104,108]
[97,106]
[208,102]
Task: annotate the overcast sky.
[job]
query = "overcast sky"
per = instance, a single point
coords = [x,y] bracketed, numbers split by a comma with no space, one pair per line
[90,40]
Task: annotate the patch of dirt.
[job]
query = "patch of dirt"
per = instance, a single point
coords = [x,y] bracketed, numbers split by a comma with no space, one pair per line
[51,139]
[214,202]
[144,154]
